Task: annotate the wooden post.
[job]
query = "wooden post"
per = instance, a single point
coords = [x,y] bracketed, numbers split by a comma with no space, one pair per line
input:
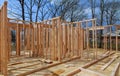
[0,40]
[110,39]
[9,43]
[72,38]
[29,43]
[4,48]
[18,40]
[93,36]
[37,40]
[23,40]
[53,40]
[28,40]
[39,44]
[33,41]
[66,40]
[104,39]
[40,41]
[82,39]
[47,42]
[95,41]
[87,31]
[79,40]
[59,39]
[116,39]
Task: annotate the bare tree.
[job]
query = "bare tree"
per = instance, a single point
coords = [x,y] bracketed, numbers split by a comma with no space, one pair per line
[67,9]
[75,13]
[29,4]
[22,3]
[41,11]
[102,9]
[93,7]
[112,12]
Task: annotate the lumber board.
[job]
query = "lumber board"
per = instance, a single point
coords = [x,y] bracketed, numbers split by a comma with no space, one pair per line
[0,40]
[24,66]
[18,41]
[110,62]
[59,40]
[116,70]
[3,42]
[22,62]
[97,28]
[91,73]
[88,64]
[42,68]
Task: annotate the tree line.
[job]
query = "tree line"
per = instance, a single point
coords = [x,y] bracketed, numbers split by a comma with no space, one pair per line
[106,11]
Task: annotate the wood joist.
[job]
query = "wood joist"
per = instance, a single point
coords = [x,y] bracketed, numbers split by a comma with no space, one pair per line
[14,25]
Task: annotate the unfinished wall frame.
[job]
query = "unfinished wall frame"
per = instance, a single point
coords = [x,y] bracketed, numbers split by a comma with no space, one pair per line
[53,39]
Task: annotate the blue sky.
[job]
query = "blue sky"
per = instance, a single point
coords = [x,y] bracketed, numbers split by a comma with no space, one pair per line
[1,2]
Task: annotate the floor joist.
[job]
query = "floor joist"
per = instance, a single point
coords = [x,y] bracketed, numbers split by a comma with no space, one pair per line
[89,64]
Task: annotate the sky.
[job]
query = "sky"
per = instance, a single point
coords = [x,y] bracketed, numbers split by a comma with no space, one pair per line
[1,2]
[87,10]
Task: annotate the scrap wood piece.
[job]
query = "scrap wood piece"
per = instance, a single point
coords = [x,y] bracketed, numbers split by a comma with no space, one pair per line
[107,64]
[106,53]
[116,70]
[59,71]
[15,63]
[48,61]
[21,62]
[91,73]
[24,66]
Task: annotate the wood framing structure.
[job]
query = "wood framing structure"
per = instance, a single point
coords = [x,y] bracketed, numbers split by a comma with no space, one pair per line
[53,39]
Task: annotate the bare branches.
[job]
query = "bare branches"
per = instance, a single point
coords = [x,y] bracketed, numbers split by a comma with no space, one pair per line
[22,3]
[111,11]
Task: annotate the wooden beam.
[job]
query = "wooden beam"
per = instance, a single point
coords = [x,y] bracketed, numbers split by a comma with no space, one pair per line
[95,41]
[53,40]
[45,67]
[82,41]
[0,40]
[97,28]
[116,70]
[88,64]
[59,39]
[18,41]
[91,73]
[116,39]
[4,47]
[11,24]
[25,66]
[107,64]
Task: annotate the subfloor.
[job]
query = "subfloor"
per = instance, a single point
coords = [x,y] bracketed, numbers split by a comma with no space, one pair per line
[35,66]
[98,67]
